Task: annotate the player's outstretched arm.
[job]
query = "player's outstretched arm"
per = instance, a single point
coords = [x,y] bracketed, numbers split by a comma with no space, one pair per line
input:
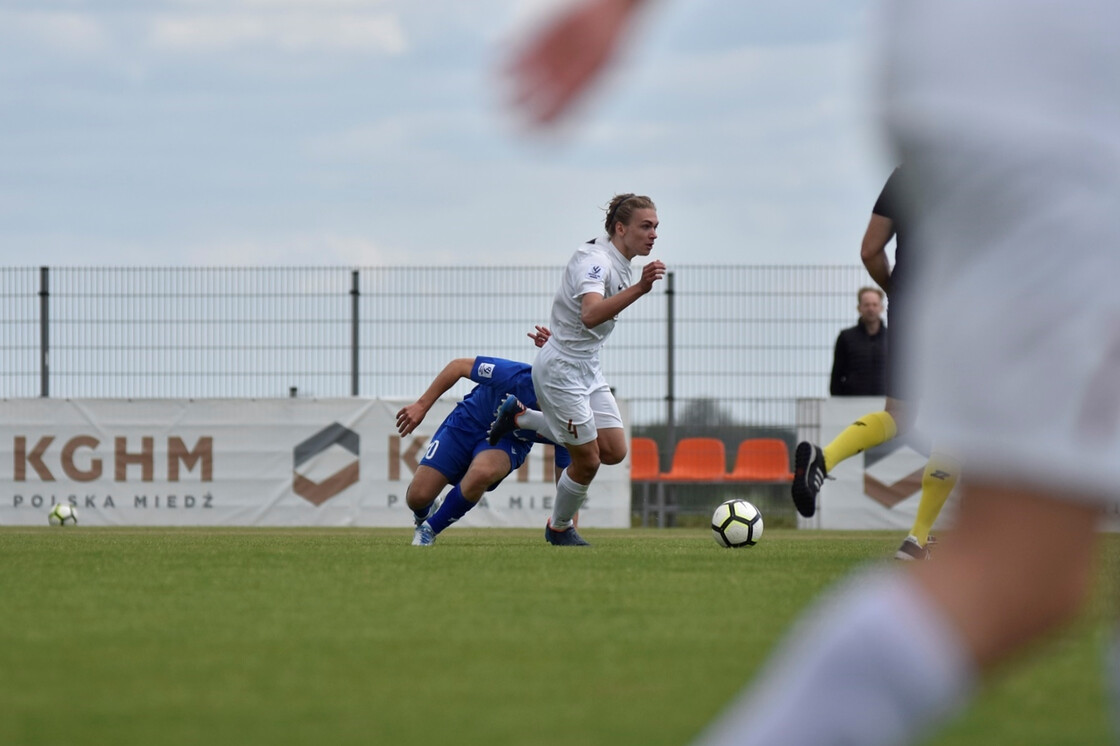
[410,417]
[568,55]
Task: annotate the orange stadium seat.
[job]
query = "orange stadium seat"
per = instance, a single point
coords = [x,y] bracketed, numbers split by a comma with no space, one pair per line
[762,460]
[698,460]
[645,461]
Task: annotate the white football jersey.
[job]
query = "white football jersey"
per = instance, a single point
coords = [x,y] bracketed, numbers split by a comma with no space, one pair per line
[596,267]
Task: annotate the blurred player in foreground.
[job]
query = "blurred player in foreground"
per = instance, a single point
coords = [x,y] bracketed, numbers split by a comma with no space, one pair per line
[1007,116]
[812,464]
[578,409]
[458,453]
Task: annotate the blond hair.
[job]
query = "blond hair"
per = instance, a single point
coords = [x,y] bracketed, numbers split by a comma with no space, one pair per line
[622,208]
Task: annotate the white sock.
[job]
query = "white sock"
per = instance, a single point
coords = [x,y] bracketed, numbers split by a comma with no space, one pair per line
[873,663]
[570,495]
[531,419]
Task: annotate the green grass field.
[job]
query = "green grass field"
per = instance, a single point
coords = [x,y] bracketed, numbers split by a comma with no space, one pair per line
[351,636]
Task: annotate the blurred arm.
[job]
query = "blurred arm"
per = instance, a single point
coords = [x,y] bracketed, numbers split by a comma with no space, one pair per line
[873,252]
[567,55]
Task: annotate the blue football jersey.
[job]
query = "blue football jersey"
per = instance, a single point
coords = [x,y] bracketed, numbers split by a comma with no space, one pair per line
[497,377]
[461,436]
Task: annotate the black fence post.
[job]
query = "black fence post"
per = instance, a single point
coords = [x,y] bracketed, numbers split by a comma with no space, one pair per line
[354,294]
[670,399]
[44,333]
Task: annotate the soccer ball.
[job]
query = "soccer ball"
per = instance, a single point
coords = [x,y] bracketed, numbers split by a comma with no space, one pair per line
[736,523]
[62,515]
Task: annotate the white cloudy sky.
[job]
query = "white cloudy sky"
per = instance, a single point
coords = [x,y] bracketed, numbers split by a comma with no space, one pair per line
[324,132]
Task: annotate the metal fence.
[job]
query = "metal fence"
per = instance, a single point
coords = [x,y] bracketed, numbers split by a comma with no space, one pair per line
[711,349]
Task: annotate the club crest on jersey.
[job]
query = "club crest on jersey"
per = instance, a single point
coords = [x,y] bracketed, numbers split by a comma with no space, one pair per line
[485,370]
[595,273]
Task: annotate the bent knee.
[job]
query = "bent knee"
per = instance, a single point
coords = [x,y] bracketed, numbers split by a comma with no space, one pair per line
[583,471]
[610,457]
[612,446]
[417,501]
[474,483]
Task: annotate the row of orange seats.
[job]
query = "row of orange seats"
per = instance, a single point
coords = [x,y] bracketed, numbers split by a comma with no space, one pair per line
[705,460]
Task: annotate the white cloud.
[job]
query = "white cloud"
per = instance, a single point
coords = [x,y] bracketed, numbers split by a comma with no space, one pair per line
[312,248]
[307,6]
[72,33]
[298,29]
[347,132]
[382,138]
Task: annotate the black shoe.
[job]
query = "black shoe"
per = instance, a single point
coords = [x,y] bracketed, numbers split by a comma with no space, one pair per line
[808,476]
[505,419]
[912,550]
[566,538]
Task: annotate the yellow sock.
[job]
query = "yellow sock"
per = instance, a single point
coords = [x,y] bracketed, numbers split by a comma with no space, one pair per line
[938,479]
[869,430]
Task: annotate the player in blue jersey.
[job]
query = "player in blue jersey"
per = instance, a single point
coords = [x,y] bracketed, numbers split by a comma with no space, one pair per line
[458,452]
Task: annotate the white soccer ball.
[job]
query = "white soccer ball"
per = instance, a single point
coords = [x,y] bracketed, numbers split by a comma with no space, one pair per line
[736,523]
[62,515]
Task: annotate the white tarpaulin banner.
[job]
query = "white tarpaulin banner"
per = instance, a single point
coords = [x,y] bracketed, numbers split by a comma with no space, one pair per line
[238,462]
[879,488]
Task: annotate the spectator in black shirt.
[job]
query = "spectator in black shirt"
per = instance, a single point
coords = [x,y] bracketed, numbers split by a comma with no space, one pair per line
[859,362]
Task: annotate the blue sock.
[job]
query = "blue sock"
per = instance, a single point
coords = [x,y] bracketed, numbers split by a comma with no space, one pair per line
[454,507]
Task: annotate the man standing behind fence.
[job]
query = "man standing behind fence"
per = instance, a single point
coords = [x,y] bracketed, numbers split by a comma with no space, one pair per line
[859,361]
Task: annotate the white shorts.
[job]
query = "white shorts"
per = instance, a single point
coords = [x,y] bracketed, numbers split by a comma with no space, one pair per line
[573,395]
[1006,114]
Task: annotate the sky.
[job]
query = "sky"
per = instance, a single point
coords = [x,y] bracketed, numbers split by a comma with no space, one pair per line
[378,132]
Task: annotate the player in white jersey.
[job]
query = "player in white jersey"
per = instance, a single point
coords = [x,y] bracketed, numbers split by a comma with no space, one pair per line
[1007,114]
[578,409]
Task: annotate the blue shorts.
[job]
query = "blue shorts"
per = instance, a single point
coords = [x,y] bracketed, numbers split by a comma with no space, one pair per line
[452,449]
[562,458]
